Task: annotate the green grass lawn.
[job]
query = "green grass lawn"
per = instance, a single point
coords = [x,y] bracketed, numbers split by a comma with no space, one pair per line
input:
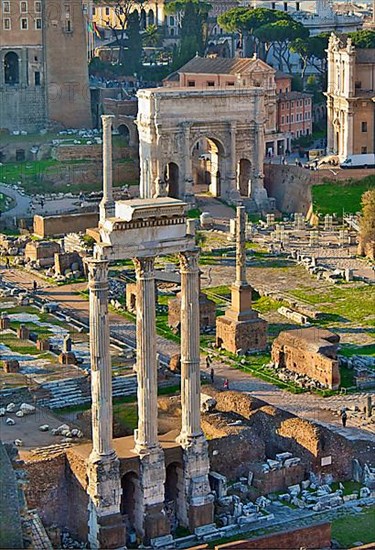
[349,349]
[336,197]
[34,176]
[351,529]
[345,303]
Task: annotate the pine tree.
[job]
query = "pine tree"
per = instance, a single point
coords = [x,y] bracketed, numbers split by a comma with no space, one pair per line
[133,54]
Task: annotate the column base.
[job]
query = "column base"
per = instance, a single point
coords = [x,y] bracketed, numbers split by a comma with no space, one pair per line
[110,532]
[106,527]
[199,500]
[152,479]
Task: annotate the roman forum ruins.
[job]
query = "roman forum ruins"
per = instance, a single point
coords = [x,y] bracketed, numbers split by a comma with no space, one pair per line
[141,230]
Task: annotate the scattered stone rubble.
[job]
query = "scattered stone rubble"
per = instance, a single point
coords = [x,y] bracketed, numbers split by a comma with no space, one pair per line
[363,367]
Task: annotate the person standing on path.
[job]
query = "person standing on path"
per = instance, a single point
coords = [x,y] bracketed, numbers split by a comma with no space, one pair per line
[344,418]
[208,361]
[212,375]
[226,384]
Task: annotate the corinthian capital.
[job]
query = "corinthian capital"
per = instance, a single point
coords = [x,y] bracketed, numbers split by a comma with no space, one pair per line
[144,267]
[98,273]
[189,261]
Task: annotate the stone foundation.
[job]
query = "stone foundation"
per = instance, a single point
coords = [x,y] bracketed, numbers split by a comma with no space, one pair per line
[245,336]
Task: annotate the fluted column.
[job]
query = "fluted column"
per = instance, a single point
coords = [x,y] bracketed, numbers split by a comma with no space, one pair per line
[101,371]
[146,436]
[105,525]
[190,369]
[107,204]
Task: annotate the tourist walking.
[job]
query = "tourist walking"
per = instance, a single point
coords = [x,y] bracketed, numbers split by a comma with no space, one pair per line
[208,361]
[226,384]
[212,375]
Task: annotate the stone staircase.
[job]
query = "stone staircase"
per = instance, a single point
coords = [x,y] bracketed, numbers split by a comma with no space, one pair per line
[70,392]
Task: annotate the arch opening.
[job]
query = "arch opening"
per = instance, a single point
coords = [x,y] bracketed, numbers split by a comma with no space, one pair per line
[244,177]
[207,165]
[174,495]
[11,68]
[171,178]
[143,20]
[151,17]
[131,507]
[124,131]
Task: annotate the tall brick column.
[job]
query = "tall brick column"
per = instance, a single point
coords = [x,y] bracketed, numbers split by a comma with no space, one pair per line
[198,508]
[106,528]
[151,518]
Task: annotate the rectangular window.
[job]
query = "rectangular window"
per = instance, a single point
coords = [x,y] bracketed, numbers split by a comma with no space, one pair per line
[6,24]
[6,7]
[282,120]
[93,11]
[37,78]
[282,106]
[68,26]
[291,118]
[107,11]
[230,83]
[364,126]
[210,83]
[191,83]
[292,104]
[24,24]
[287,119]
[363,150]
[38,23]
[38,7]
[23,7]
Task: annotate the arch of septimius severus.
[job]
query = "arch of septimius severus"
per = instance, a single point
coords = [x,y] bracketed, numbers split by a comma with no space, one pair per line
[172,121]
[130,483]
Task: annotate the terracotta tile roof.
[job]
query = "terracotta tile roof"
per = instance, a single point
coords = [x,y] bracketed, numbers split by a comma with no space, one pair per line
[217,65]
[293,95]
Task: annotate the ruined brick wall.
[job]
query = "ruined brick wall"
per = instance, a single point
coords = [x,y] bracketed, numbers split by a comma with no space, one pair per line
[50,226]
[65,260]
[22,108]
[232,455]
[39,251]
[278,480]
[290,354]
[207,311]
[91,152]
[76,481]
[46,490]
[314,537]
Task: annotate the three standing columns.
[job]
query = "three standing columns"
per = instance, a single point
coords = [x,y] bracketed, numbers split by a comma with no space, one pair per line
[151,520]
[198,501]
[106,528]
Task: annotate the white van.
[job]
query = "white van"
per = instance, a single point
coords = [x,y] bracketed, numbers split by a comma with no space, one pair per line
[359,161]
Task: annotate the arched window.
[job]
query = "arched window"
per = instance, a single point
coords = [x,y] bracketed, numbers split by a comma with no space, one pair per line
[11,68]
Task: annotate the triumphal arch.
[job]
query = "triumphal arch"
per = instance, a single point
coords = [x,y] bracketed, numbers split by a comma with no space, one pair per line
[171,124]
